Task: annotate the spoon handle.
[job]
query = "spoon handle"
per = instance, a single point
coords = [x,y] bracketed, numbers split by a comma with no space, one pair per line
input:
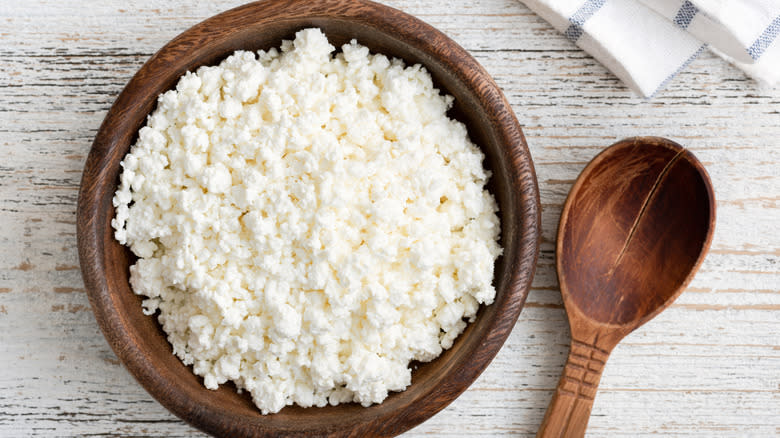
[569,411]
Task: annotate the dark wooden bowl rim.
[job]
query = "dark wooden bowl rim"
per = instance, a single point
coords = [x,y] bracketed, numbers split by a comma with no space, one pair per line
[133,336]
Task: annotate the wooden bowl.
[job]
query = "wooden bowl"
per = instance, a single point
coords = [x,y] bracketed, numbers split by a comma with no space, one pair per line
[139,341]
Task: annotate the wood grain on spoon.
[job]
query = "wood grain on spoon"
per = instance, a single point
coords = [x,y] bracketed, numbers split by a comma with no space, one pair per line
[633,231]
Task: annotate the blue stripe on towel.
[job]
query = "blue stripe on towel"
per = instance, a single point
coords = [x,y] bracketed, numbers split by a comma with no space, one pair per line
[765,39]
[679,69]
[575,31]
[685,14]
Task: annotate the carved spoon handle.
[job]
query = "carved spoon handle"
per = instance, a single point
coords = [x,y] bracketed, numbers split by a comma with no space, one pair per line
[568,413]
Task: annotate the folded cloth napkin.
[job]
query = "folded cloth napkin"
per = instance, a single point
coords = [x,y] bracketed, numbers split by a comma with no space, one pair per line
[646,43]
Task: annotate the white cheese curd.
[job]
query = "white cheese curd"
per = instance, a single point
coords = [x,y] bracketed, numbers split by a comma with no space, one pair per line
[307,223]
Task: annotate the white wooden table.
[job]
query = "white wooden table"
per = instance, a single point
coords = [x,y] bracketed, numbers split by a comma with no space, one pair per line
[709,366]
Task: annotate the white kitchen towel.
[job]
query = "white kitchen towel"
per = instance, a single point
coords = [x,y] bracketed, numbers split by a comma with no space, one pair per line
[646,43]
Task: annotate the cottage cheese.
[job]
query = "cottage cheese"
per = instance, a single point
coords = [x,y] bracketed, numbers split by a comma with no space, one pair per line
[308,223]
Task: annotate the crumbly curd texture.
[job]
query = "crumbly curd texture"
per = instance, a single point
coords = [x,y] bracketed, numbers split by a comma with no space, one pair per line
[307,223]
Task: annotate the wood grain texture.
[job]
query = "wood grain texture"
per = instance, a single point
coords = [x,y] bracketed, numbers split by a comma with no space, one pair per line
[706,367]
[634,230]
[140,342]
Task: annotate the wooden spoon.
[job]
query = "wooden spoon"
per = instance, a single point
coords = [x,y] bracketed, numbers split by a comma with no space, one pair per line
[635,228]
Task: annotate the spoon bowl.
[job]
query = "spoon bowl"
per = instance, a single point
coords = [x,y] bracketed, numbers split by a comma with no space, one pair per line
[635,228]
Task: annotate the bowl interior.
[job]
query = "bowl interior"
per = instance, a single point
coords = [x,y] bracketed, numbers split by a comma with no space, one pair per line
[139,340]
